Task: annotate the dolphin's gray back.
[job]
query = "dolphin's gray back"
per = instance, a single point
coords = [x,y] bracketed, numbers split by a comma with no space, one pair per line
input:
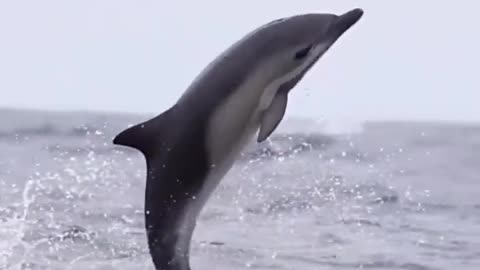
[229,70]
[222,76]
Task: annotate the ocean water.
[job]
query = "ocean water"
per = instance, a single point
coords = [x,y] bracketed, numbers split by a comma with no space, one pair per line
[385,195]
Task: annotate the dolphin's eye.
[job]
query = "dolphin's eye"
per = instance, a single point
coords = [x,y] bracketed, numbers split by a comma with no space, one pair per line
[299,55]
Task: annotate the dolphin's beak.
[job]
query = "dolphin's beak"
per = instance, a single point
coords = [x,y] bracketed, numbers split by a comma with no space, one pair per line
[347,20]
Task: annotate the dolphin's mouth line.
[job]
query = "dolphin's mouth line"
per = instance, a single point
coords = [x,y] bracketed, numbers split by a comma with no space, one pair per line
[346,21]
[339,27]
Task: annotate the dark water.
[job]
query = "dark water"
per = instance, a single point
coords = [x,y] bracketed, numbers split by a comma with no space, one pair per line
[388,196]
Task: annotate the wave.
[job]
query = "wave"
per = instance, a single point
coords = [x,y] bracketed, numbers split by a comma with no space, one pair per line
[281,145]
[68,150]
[49,130]
[306,199]
[288,144]
[44,130]
[334,263]
[73,233]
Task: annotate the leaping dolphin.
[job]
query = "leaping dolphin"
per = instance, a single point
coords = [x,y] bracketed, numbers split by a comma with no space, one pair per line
[243,92]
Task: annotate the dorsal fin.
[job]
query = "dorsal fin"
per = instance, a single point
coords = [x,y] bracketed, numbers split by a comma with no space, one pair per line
[144,136]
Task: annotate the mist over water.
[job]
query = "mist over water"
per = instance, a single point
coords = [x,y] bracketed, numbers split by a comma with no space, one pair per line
[390,195]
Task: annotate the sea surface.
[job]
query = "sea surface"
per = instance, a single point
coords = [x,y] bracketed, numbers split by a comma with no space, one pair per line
[381,195]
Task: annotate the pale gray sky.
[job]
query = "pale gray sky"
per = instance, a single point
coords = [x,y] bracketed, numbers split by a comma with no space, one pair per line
[405,59]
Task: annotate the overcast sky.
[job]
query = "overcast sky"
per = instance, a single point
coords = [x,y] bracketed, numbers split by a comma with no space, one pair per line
[405,59]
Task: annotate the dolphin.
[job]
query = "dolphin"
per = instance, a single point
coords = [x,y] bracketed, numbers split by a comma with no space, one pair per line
[241,94]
